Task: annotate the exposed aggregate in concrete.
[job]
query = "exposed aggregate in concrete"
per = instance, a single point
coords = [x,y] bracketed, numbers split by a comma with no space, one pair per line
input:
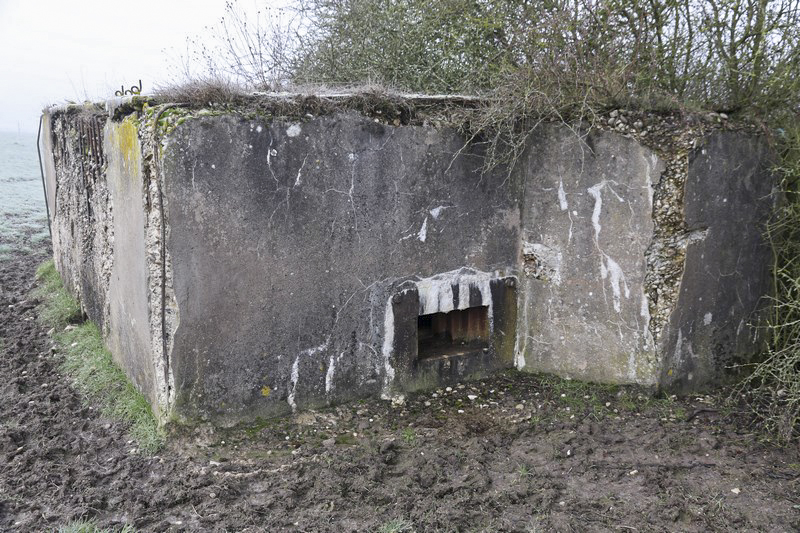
[674,137]
[83,199]
[164,315]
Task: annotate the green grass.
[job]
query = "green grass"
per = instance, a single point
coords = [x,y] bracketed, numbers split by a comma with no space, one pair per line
[89,363]
[58,308]
[398,525]
[599,400]
[581,396]
[523,473]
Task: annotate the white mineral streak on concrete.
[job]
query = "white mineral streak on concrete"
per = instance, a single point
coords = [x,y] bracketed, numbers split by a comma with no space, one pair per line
[707,319]
[521,342]
[608,267]
[296,370]
[562,196]
[645,313]
[617,276]
[329,374]
[423,231]
[270,153]
[293,130]
[594,191]
[388,347]
[293,382]
[679,349]
[571,222]
[446,297]
[300,171]
[463,298]
[436,292]
[436,212]
[519,355]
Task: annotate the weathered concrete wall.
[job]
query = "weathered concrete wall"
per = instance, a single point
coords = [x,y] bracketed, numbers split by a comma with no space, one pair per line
[246,265]
[95,174]
[81,208]
[728,193]
[289,240]
[128,307]
[587,221]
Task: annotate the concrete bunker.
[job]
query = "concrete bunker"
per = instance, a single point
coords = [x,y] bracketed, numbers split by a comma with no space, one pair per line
[251,262]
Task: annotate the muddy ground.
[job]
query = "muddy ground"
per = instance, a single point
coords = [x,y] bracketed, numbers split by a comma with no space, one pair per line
[513,453]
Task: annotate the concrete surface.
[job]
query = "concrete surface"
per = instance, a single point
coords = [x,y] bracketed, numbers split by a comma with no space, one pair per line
[128,310]
[728,197]
[288,240]
[587,224]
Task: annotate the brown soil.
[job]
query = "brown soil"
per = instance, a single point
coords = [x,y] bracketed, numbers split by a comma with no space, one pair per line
[513,453]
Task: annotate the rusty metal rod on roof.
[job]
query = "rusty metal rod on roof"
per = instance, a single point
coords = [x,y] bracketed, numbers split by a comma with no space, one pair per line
[41,171]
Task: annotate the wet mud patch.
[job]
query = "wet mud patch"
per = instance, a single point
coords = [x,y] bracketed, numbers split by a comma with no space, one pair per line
[516,452]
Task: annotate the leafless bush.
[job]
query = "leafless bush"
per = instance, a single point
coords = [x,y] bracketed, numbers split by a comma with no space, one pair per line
[255,51]
[772,389]
[727,55]
[723,54]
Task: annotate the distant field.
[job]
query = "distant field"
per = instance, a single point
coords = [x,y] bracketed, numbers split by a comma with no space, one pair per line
[23,218]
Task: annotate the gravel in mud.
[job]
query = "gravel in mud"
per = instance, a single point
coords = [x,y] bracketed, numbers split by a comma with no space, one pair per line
[511,453]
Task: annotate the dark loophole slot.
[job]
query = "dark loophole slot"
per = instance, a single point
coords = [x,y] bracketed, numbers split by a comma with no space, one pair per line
[455,333]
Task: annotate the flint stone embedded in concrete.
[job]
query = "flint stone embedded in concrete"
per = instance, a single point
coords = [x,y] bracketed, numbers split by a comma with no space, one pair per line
[245,267]
[729,193]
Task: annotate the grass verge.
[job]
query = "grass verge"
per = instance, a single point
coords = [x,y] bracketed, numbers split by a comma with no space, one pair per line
[58,308]
[89,363]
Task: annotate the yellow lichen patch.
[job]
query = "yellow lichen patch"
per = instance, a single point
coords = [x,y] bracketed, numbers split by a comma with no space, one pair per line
[125,139]
[265,390]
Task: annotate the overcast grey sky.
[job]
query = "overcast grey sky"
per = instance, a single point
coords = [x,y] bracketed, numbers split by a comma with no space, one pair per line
[52,51]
